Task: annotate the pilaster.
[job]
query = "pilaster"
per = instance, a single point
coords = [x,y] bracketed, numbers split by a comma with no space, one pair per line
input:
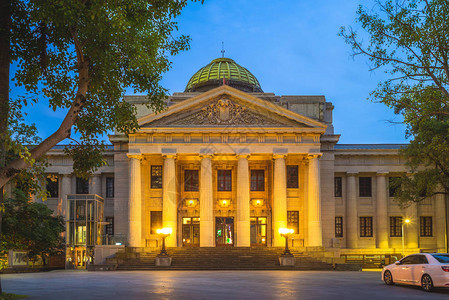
[206,203]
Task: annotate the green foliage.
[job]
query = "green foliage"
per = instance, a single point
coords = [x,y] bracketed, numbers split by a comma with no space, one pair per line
[31,226]
[409,40]
[122,43]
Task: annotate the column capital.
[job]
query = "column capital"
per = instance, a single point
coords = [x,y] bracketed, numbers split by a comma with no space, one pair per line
[352,173]
[165,156]
[239,156]
[277,156]
[206,155]
[135,156]
[314,155]
[382,173]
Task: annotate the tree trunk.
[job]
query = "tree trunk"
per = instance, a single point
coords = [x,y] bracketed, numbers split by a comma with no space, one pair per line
[5,60]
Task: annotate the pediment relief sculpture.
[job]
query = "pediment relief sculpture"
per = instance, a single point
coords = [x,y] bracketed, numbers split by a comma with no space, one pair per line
[224,112]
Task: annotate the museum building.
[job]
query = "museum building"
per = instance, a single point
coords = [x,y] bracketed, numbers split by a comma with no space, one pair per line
[227,164]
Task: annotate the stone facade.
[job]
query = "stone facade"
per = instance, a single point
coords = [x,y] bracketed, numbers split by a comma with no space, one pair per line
[226,167]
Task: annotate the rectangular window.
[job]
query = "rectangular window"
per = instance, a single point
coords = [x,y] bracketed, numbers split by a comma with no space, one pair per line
[156,177]
[292,177]
[393,185]
[224,180]
[365,186]
[52,186]
[338,226]
[191,181]
[257,180]
[109,227]
[293,221]
[109,187]
[156,221]
[337,187]
[82,186]
[425,226]
[366,226]
[395,226]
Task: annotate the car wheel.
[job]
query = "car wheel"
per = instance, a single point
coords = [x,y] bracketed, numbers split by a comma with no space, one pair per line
[388,278]
[427,283]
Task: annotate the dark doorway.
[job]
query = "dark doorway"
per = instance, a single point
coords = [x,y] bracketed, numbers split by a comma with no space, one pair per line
[190,232]
[258,231]
[224,231]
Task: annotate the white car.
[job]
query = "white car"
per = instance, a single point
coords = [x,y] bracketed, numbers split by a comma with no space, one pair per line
[427,270]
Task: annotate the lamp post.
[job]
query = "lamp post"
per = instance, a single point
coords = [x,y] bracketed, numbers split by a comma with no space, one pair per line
[406,221]
[164,233]
[286,232]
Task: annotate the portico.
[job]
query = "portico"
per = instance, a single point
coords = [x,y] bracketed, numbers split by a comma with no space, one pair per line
[230,179]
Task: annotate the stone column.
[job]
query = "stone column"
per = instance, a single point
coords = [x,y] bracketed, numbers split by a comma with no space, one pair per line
[381,211]
[440,221]
[96,184]
[243,224]
[351,212]
[206,203]
[279,199]
[412,229]
[314,205]
[66,189]
[135,203]
[169,207]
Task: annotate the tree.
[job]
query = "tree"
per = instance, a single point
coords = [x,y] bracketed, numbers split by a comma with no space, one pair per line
[79,56]
[31,226]
[410,41]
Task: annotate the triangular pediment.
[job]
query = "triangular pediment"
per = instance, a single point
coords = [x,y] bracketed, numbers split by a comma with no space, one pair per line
[227,107]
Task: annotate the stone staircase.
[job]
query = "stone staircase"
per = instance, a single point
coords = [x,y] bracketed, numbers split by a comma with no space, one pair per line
[219,258]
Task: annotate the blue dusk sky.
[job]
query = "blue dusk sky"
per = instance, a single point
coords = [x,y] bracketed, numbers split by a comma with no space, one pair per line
[292,48]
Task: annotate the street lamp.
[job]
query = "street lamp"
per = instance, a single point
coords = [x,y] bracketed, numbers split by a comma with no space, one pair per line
[286,232]
[164,232]
[406,221]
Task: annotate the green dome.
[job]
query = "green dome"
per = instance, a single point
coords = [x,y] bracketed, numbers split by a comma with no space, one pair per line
[211,76]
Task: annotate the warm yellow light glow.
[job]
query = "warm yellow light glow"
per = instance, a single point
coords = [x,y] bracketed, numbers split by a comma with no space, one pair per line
[407,220]
[165,231]
[257,202]
[191,202]
[225,202]
[263,240]
[286,231]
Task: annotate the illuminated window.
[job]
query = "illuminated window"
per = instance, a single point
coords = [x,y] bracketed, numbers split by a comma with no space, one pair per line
[292,177]
[224,180]
[257,180]
[338,226]
[110,187]
[82,186]
[156,177]
[191,181]
[426,226]
[395,226]
[337,187]
[53,186]
[365,186]
[366,226]
[110,227]
[293,220]
[155,221]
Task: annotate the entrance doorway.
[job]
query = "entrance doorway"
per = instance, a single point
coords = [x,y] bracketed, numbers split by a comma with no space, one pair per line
[190,232]
[224,231]
[258,231]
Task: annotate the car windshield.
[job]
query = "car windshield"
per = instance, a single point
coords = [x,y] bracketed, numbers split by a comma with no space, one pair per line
[442,258]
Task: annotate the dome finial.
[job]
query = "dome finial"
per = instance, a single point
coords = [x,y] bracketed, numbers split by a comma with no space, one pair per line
[222,49]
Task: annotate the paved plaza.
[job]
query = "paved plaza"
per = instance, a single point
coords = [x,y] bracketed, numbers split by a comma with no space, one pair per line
[209,285]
